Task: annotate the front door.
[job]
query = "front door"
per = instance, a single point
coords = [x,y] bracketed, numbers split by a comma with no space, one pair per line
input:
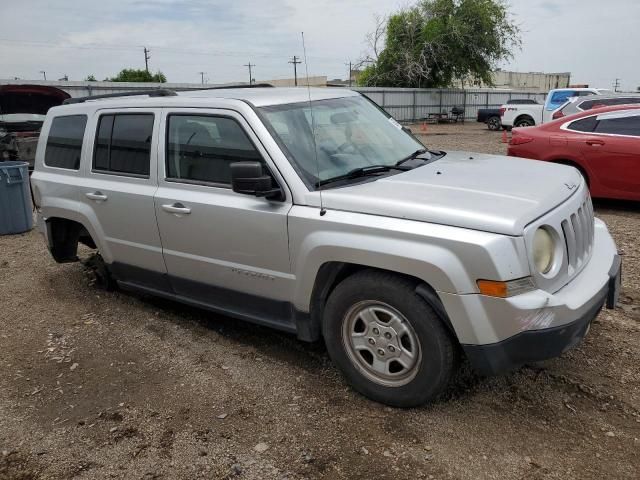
[224,249]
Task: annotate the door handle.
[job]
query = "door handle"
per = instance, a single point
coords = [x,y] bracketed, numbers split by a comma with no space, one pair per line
[177,208]
[97,196]
[595,143]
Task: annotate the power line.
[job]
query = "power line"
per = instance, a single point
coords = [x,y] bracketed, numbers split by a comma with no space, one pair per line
[295,62]
[250,75]
[98,46]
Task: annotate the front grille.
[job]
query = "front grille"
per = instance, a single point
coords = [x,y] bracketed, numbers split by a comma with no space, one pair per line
[578,236]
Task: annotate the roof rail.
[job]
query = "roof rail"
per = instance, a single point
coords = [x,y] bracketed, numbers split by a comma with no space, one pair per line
[155,92]
[240,85]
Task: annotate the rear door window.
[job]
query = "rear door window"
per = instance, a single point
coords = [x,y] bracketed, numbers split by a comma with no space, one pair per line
[624,125]
[64,143]
[123,144]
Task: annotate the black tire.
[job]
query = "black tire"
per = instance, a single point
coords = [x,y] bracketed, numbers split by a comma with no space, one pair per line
[437,358]
[524,122]
[493,124]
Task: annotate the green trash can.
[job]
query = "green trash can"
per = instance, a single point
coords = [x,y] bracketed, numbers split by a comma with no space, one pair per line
[15,198]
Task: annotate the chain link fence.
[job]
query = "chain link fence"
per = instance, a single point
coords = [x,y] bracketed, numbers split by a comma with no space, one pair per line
[415,104]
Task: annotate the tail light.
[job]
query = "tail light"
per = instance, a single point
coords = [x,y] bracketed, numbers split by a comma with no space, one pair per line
[519,138]
[502,110]
[557,115]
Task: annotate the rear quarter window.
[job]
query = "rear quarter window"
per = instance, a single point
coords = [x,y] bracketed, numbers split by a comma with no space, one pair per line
[64,142]
[587,124]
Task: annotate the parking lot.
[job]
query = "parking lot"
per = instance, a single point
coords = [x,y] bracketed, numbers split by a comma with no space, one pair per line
[100,384]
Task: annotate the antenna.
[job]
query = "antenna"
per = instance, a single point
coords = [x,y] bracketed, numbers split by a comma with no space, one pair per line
[313,126]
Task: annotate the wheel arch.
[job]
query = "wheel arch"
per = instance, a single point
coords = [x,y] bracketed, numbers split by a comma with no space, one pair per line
[522,117]
[65,214]
[332,273]
[577,165]
[63,236]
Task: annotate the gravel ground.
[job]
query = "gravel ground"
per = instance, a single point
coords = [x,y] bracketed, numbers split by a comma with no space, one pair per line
[114,385]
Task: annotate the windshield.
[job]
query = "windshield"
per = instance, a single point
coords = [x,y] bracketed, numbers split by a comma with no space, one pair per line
[351,133]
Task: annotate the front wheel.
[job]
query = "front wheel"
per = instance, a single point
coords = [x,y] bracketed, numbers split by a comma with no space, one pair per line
[388,342]
[524,122]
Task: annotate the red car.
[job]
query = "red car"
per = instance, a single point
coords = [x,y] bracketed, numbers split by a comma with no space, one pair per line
[604,144]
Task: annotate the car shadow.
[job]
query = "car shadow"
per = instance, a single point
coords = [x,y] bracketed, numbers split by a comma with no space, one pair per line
[604,204]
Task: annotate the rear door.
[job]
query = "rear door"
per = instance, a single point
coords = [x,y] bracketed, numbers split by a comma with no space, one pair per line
[612,150]
[121,180]
[221,248]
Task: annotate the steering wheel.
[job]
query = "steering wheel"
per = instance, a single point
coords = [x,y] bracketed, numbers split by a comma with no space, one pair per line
[346,147]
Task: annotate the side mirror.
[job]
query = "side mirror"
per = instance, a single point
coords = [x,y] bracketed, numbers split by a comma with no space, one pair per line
[248,178]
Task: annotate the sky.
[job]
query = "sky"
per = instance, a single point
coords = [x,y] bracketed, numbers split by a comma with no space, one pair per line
[596,41]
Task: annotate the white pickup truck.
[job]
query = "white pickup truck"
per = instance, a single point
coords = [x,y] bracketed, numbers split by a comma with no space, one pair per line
[530,115]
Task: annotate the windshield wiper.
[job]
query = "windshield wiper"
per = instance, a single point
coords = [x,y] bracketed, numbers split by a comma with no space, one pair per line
[415,154]
[359,172]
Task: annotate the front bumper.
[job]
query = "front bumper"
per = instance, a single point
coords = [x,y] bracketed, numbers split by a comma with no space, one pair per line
[501,334]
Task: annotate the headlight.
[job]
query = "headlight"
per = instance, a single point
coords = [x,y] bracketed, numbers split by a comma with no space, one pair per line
[543,250]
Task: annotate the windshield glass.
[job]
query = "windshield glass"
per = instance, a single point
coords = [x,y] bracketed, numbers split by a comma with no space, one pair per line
[351,133]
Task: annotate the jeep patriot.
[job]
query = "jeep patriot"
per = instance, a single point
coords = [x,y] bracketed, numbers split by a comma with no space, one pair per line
[316,213]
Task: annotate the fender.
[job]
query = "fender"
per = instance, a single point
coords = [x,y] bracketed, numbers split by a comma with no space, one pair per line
[446,258]
[78,212]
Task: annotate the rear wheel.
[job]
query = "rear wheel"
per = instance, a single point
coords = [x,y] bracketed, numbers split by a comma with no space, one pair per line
[388,342]
[494,123]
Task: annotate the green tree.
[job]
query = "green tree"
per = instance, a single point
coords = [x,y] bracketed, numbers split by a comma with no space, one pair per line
[90,78]
[436,42]
[133,75]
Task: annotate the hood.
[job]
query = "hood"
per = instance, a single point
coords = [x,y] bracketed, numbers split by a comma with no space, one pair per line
[21,122]
[491,193]
[29,99]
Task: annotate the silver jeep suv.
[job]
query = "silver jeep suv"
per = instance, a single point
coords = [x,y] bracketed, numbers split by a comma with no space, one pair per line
[318,214]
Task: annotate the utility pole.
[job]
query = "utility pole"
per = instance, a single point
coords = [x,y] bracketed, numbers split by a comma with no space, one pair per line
[202,77]
[250,75]
[350,70]
[616,85]
[146,59]
[295,62]
[44,74]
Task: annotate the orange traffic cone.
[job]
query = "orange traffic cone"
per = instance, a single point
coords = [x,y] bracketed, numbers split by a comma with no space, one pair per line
[504,137]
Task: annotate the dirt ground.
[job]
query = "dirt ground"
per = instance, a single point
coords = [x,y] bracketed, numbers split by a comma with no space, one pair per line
[113,385]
